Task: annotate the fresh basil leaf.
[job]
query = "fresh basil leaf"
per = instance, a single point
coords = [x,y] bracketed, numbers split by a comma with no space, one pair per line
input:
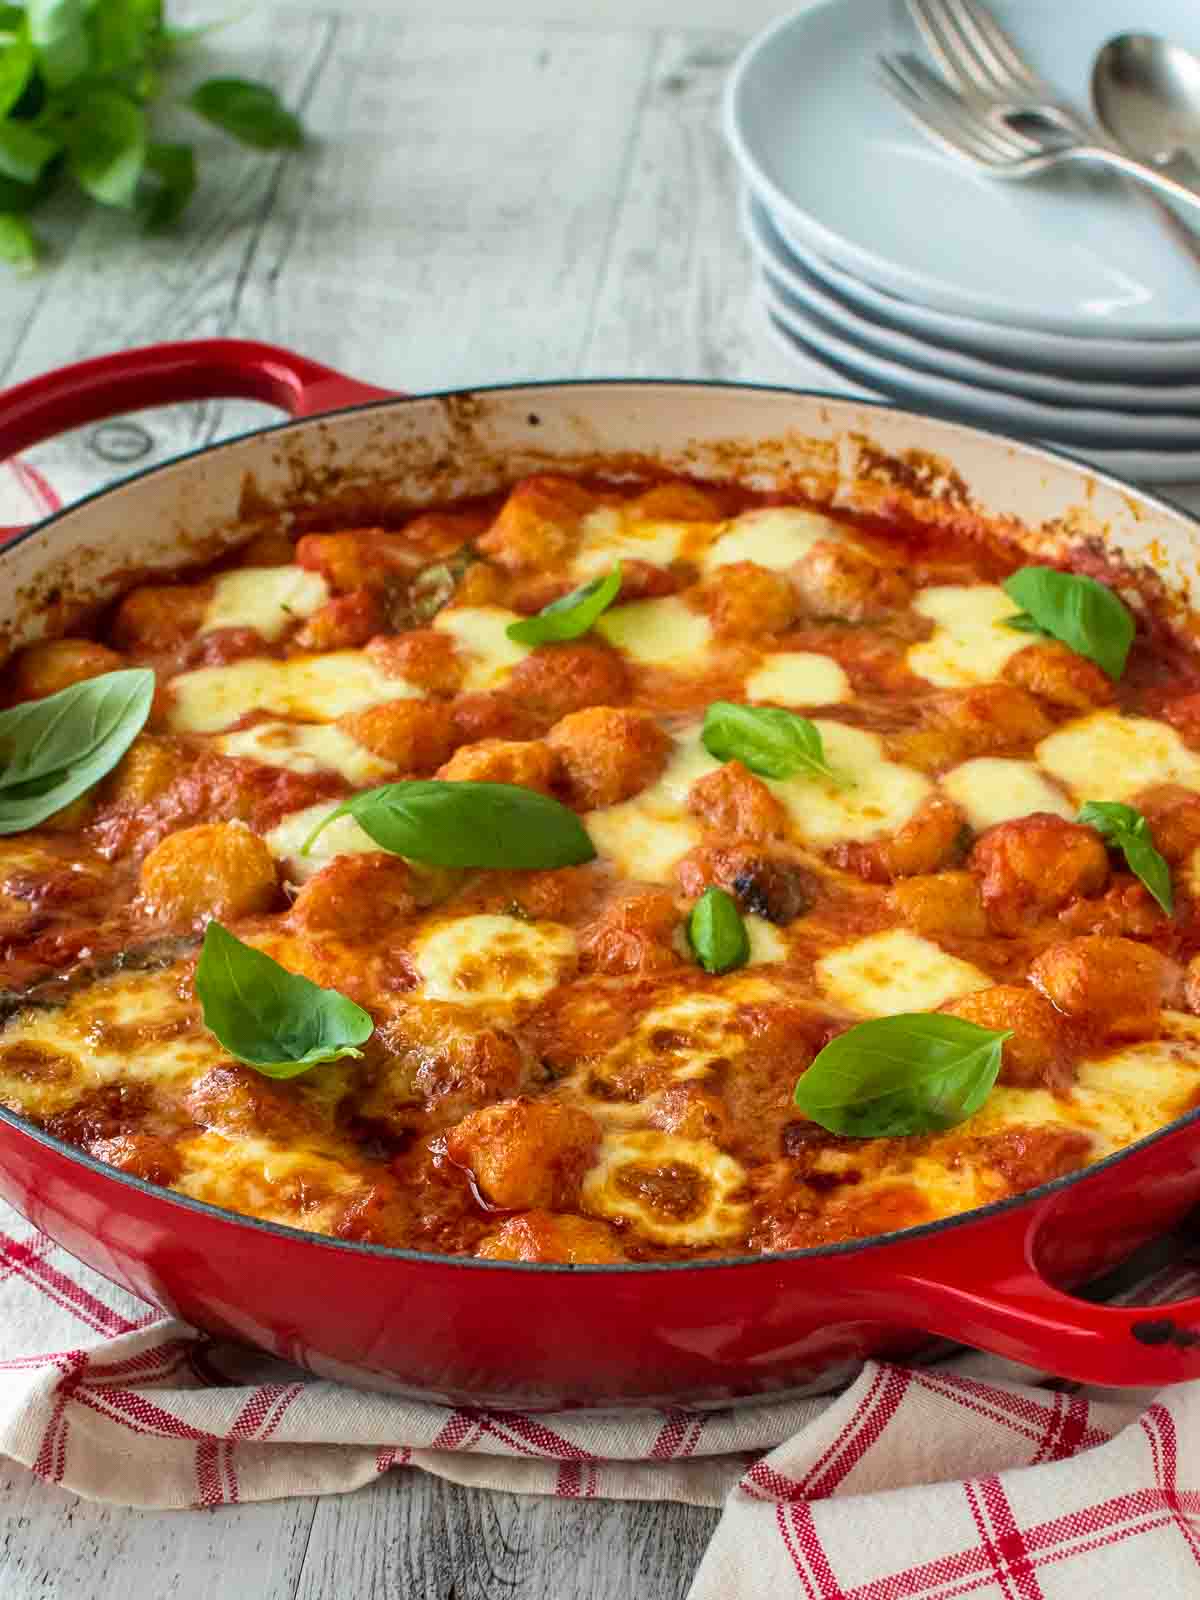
[919,1072]
[18,197]
[17,244]
[58,32]
[16,68]
[24,152]
[122,32]
[1022,622]
[1080,612]
[1109,818]
[54,750]
[274,1020]
[1127,830]
[717,933]
[251,112]
[106,147]
[572,615]
[172,169]
[467,825]
[770,741]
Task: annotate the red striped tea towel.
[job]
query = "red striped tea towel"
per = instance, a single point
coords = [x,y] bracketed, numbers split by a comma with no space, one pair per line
[972,1477]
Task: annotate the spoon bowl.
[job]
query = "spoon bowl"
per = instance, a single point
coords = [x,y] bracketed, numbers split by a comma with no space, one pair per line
[1146,92]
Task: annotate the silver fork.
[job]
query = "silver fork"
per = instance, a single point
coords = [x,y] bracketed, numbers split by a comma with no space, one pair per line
[961,126]
[979,58]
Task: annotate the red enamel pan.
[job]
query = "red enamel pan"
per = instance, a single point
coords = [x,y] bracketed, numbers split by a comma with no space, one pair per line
[504,1333]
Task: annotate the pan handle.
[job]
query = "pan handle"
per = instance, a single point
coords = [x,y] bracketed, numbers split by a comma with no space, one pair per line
[991,1293]
[159,374]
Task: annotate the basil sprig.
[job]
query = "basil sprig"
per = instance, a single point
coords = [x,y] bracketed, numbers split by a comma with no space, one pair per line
[81,85]
[274,1020]
[770,741]
[1128,831]
[54,750]
[467,825]
[570,616]
[919,1072]
[717,933]
[1078,611]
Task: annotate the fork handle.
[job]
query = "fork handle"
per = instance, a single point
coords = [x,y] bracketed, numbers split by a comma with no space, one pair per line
[1118,161]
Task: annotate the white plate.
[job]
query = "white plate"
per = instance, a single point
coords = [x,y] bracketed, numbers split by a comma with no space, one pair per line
[829,151]
[1143,466]
[1155,360]
[1067,424]
[790,275]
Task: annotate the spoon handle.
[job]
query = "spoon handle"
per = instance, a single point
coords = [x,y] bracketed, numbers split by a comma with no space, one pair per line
[1118,161]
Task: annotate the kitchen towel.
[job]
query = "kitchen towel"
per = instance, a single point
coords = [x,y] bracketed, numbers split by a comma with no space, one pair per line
[969,1477]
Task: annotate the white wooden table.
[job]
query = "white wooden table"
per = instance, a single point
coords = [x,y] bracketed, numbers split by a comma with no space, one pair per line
[482,201]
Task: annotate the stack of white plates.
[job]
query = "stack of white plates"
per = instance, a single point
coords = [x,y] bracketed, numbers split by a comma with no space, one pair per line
[1060,309]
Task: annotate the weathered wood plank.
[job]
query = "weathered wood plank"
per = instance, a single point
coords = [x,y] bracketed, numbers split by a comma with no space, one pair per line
[420,1538]
[452,229]
[675,299]
[54,1546]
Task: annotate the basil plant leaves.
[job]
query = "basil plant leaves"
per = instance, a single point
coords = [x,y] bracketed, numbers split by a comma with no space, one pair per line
[467,825]
[53,750]
[919,1072]
[82,84]
[1078,611]
[570,616]
[1127,830]
[768,740]
[276,1021]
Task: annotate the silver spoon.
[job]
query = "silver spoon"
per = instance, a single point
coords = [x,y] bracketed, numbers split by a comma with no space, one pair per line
[1146,92]
[1146,96]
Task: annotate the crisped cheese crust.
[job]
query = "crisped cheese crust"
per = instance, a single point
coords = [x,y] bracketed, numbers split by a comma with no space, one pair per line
[552,1076]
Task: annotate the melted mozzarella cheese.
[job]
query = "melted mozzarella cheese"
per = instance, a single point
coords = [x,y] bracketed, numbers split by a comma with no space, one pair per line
[874,795]
[275,1182]
[268,599]
[306,747]
[493,961]
[94,1040]
[687,762]
[609,534]
[1129,1093]
[991,790]
[798,678]
[313,688]
[641,846]
[767,944]
[479,633]
[687,1037]
[774,537]
[341,838]
[659,633]
[970,643]
[696,1030]
[895,972]
[1107,756]
[675,1190]
[645,837]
